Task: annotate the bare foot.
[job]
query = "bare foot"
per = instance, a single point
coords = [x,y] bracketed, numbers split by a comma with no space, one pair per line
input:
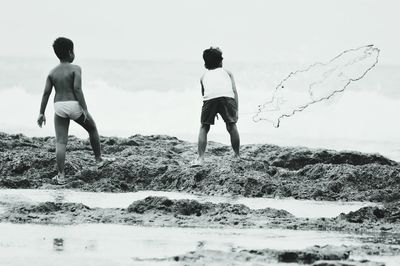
[60,179]
[236,158]
[101,162]
[198,162]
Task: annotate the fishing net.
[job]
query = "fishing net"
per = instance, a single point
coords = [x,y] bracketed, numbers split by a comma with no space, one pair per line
[316,83]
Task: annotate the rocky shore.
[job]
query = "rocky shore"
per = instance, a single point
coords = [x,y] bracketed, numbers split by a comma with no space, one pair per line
[162,163]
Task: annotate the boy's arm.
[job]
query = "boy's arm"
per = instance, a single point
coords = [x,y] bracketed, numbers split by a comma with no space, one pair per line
[45,98]
[202,86]
[234,88]
[78,89]
[46,94]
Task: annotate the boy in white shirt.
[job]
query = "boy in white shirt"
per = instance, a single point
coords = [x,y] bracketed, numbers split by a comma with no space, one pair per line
[219,96]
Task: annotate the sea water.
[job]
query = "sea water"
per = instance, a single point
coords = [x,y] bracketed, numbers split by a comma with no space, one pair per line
[127,97]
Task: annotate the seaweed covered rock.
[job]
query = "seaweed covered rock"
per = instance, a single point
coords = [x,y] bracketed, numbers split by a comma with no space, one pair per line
[322,256]
[51,207]
[295,158]
[389,213]
[313,254]
[160,162]
[184,207]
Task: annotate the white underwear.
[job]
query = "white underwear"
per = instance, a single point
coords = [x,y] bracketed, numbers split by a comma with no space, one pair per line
[68,109]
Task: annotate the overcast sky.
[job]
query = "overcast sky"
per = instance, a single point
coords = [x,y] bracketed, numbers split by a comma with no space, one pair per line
[296,31]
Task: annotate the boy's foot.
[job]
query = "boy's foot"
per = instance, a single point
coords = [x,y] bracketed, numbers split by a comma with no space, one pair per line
[236,158]
[197,163]
[59,179]
[104,161]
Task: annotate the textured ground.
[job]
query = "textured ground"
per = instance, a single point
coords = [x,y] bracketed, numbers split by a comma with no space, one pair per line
[163,163]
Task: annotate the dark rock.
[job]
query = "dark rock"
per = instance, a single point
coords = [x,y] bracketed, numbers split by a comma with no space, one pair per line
[313,254]
[51,207]
[160,162]
[183,207]
[364,214]
[15,182]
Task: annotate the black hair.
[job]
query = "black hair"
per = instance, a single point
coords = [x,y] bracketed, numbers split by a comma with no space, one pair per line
[212,58]
[62,47]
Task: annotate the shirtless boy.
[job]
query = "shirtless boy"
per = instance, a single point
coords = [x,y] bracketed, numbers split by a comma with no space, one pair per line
[69,103]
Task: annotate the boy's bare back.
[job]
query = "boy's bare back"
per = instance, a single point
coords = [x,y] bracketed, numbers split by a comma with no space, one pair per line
[69,104]
[64,78]
[67,82]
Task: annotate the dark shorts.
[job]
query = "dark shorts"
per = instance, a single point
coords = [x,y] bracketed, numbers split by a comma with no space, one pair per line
[225,106]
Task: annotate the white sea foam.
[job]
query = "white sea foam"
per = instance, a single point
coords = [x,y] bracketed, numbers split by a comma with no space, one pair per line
[362,118]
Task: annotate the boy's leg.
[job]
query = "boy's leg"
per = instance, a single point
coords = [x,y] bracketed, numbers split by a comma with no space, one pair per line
[208,112]
[61,125]
[90,126]
[202,142]
[235,139]
[229,112]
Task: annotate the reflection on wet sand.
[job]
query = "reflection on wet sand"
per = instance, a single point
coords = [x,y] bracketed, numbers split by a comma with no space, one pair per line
[117,244]
[58,244]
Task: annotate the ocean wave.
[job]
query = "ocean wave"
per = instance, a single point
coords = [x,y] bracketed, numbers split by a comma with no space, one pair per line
[344,122]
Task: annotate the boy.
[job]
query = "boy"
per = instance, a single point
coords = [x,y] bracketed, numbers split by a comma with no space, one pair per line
[219,96]
[69,103]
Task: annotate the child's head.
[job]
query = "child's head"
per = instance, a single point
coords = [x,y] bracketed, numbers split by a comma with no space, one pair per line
[64,49]
[212,58]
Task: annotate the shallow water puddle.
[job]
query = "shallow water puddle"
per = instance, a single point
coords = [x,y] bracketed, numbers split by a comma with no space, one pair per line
[300,208]
[119,244]
[100,244]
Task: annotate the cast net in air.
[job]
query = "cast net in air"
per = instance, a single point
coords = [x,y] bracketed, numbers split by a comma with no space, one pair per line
[316,83]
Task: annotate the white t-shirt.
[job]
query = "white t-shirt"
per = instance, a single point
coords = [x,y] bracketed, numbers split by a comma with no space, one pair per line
[217,83]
